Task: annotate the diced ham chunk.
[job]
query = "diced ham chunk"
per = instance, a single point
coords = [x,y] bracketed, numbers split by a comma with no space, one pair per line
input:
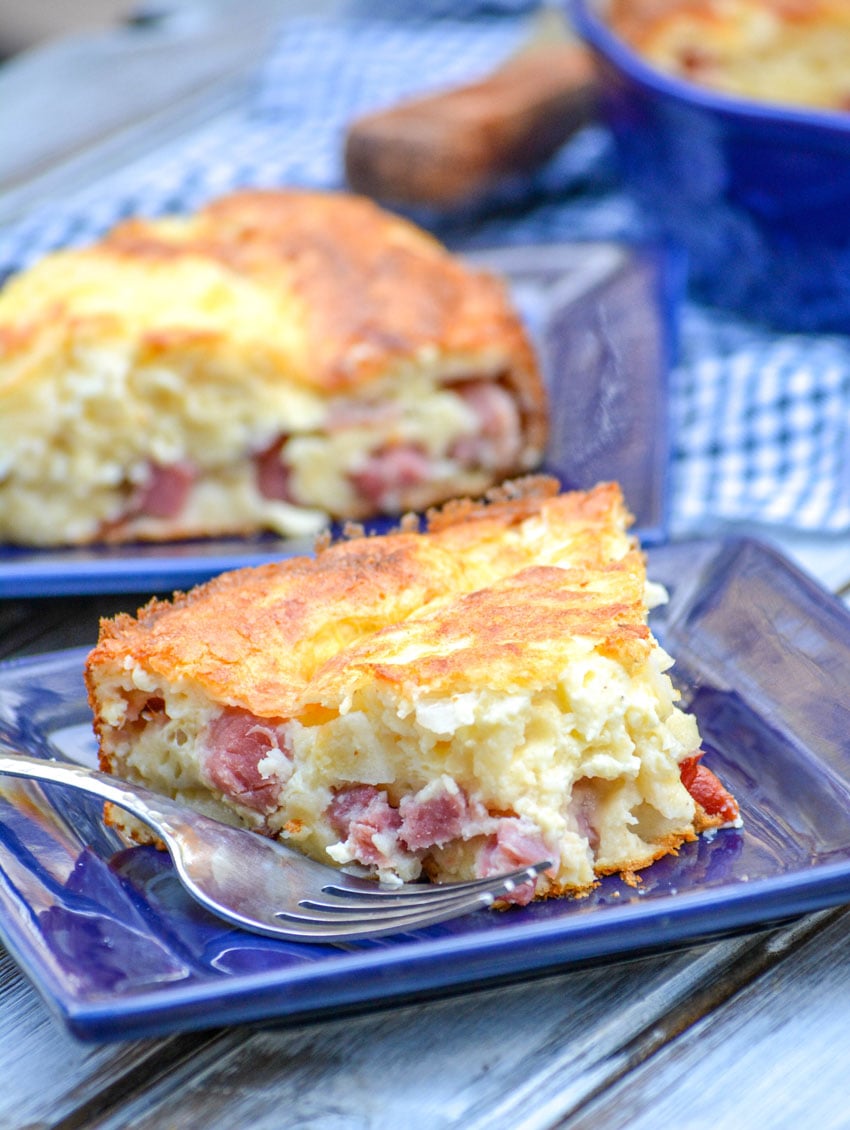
[432,816]
[236,743]
[707,790]
[583,805]
[273,474]
[497,442]
[375,833]
[517,843]
[351,804]
[345,414]
[388,472]
[367,824]
[165,492]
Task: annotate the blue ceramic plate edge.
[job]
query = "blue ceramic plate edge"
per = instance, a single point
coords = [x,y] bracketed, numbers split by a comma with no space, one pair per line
[446,964]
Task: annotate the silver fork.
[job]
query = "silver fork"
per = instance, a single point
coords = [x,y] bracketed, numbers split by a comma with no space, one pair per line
[264,886]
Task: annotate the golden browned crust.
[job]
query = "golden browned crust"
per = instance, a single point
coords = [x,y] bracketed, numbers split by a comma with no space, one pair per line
[627,871]
[479,638]
[364,276]
[273,638]
[362,287]
[513,501]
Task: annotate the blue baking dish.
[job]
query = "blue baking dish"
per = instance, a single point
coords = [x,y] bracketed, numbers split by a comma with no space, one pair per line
[758,194]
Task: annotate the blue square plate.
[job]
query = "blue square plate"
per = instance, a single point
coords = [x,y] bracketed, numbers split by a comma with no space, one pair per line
[119,951]
[603,318]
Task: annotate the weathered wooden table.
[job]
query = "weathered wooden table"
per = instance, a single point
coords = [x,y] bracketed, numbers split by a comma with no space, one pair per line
[747,1031]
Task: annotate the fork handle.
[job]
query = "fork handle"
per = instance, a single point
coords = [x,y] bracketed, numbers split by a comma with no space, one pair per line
[156,811]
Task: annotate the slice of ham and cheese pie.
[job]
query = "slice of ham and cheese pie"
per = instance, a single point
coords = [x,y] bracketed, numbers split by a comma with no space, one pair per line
[276,359]
[453,702]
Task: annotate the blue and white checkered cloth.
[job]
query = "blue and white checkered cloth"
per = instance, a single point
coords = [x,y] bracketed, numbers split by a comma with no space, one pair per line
[760,420]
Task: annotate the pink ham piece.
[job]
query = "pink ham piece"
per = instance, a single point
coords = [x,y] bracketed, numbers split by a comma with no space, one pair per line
[432,816]
[391,470]
[583,806]
[166,490]
[273,475]
[388,472]
[345,414]
[517,843]
[360,814]
[429,818]
[236,743]
[375,833]
[351,805]
[498,440]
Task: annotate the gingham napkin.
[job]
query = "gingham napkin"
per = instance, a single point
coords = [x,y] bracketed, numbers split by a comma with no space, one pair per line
[760,420]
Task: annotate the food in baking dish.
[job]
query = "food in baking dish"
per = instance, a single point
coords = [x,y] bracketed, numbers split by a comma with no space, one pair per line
[455,702]
[786,51]
[276,358]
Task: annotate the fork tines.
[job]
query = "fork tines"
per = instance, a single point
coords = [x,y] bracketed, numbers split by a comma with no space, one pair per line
[355,910]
